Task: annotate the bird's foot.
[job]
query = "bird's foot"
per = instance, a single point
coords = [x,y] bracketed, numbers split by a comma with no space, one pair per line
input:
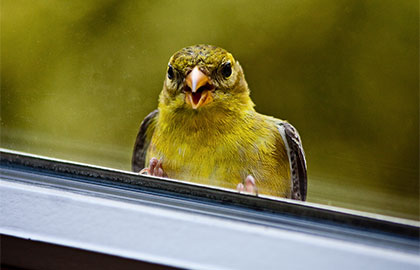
[248,185]
[155,168]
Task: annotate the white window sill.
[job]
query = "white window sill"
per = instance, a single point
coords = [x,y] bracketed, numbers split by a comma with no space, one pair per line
[191,226]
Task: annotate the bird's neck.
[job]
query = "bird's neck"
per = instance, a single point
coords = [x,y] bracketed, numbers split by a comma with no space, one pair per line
[209,122]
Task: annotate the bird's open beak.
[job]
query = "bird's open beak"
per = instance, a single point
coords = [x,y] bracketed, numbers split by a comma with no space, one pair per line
[198,89]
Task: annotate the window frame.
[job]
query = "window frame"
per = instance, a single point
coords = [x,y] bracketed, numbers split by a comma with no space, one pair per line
[70,181]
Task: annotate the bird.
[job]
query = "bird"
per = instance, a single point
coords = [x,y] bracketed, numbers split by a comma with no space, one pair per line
[207,131]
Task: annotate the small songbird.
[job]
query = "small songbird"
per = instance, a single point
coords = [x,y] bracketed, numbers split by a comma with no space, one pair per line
[207,131]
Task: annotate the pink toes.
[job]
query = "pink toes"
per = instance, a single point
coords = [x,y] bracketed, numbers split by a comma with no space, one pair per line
[249,185]
[240,187]
[155,168]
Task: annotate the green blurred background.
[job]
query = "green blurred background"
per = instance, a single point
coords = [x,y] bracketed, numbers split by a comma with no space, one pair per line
[77,78]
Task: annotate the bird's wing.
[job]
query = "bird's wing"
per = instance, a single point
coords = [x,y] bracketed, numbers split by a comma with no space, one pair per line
[297,160]
[143,141]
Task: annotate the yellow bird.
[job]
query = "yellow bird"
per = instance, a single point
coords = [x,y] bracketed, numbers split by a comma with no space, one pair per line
[207,131]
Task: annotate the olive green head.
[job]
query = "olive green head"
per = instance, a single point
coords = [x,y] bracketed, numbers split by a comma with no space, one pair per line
[203,77]
[207,56]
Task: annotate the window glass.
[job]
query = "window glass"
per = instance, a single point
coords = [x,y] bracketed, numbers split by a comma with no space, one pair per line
[77,79]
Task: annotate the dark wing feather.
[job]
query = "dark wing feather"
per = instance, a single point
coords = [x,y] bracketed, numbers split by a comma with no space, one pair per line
[297,161]
[142,143]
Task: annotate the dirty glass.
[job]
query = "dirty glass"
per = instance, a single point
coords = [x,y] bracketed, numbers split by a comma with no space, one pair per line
[78,77]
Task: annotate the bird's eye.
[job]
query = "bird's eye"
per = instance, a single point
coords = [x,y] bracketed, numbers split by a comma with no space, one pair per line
[226,70]
[170,72]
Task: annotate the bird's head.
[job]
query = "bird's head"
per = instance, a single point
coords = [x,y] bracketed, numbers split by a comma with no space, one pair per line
[204,78]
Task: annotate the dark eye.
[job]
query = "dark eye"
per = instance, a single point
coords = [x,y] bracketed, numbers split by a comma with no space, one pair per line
[226,70]
[170,72]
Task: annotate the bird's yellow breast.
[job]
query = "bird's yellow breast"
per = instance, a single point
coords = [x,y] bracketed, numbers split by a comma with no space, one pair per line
[221,150]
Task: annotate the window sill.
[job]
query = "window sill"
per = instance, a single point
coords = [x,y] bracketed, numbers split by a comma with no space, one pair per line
[186,225]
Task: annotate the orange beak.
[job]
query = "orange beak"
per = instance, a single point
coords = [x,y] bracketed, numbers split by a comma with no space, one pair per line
[198,89]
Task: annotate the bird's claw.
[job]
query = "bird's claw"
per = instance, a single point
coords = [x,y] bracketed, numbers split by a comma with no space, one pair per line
[248,185]
[155,168]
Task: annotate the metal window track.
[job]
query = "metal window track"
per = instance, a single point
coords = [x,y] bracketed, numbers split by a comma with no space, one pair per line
[203,211]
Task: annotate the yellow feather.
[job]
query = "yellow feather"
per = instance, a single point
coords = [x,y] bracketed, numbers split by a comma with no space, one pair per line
[224,141]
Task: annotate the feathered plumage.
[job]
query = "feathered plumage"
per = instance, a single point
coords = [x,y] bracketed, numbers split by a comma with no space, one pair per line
[206,130]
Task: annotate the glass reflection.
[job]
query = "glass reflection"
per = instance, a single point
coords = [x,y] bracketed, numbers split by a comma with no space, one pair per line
[77,79]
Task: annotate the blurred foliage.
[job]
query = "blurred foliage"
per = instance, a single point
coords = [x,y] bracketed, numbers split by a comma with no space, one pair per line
[77,78]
